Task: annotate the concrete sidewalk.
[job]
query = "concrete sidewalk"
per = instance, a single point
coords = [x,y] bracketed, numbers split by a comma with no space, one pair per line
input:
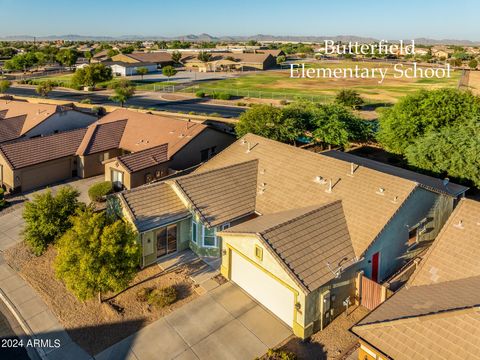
[225,323]
[36,319]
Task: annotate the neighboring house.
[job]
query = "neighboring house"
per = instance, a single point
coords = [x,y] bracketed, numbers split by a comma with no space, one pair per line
[290,226]
[131,134]
[436,315]
[130,148]
[21,119]
[127,69]
[31,163]
[160,58]
[229,61]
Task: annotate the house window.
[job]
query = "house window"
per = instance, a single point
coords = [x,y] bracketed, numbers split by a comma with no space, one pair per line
[209,237]
[258,252]
[207,154]
[194,231]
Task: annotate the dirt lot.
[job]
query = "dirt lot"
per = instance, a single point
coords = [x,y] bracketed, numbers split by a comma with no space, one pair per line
[330,343]
[92,325]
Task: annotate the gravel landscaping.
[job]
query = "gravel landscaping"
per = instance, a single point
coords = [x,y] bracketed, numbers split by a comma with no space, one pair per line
[96,326]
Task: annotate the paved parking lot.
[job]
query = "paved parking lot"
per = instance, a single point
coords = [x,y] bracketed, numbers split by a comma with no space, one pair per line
[225,323]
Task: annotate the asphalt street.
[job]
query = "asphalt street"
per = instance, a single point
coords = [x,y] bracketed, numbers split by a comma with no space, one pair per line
[185,106]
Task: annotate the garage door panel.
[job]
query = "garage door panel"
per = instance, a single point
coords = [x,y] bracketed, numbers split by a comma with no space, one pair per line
[263,287]
[46,174]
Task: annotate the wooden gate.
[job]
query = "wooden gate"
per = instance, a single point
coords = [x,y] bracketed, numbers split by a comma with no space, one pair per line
[372,294]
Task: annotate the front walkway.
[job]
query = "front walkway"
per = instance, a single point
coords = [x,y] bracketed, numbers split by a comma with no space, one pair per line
[36,320]
[225,323]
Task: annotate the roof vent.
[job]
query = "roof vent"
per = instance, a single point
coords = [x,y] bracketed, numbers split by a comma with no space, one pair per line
[352,169]
[395,199]
[320,180]
[249,148]
[381,191]
[446,181]
[329,190]
[262,188]
[459,224]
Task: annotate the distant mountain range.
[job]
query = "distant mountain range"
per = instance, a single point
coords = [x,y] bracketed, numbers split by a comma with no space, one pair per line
[207,37]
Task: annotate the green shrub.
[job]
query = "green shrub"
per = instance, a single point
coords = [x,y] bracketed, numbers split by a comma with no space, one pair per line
[283,102]
[98,191]
[200,94]
[99,110]
[241,103]
[3,202]
[279,355]
[222,96]
[85,101]
[143,294]
[160,298]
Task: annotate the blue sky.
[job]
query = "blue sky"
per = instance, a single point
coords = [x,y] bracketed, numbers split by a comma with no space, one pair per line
[380,19]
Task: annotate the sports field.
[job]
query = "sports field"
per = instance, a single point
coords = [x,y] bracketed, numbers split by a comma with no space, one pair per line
[278,84]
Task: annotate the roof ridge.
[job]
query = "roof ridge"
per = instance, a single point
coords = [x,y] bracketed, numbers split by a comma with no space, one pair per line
[440,313]
[97,126]
[42,137]
[215,170]
[301,216]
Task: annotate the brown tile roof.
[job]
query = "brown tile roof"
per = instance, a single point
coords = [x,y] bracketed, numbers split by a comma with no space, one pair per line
[437,314]
[34,113]
[11,128]
[453,335]
[312,242]
[289,175]
[238,57]
[221,195]
[428,182]
[153,57]
[145,158]
[102,137]
[37,150]
[154,205]
[143,131]
[455,254]
[439,321]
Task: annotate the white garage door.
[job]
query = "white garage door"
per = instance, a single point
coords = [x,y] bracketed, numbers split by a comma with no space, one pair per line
[264,288]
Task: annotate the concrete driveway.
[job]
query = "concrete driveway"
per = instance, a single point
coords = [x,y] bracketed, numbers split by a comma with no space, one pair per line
[225,323]
[11,221]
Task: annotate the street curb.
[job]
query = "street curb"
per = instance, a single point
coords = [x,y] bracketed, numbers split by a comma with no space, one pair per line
[28,331]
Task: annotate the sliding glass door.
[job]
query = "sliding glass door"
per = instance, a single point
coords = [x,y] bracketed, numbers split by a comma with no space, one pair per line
[166,240]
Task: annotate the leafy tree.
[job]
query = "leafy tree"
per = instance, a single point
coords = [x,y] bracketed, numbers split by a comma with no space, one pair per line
[271,122]
[88,56]
[142,71]
[47,217]
[7,52]
[97,255]
[176,57]
[44,88]
[453,150]
[281,59]
[418,114]
[91,75]
[204,56]
[169,71]
[127,49]
[4,85]
[111,53]
[67,57]
[472,64]
[124,90]
[350,98]
[334,125]
[21,62]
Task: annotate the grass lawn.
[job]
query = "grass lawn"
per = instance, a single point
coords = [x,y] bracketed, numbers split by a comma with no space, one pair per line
[96,326]
[278,84]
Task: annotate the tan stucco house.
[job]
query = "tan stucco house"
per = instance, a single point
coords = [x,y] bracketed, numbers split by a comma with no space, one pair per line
[291,227]
[22,119]
[130,148]
[436,314]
